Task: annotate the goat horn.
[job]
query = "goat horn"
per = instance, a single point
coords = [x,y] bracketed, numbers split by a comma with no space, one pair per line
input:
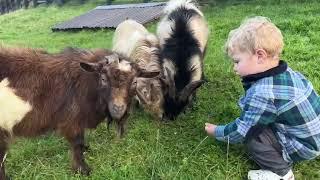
[141,97]
[189,89]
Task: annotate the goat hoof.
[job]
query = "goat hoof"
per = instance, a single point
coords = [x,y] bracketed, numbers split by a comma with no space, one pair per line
[86,148]
[6,177]
[82,169]
[120,136]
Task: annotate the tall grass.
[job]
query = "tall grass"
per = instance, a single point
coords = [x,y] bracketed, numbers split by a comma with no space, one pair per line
[168,150]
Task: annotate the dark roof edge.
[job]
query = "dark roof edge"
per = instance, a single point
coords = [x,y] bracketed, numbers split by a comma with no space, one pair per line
[124,6]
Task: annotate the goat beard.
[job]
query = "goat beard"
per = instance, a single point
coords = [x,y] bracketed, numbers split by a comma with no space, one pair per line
[121,124]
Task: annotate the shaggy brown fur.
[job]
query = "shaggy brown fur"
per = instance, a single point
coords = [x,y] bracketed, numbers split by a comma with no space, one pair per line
[150,93]
[68,92]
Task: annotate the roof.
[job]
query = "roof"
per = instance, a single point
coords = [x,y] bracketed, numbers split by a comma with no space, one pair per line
[111,16]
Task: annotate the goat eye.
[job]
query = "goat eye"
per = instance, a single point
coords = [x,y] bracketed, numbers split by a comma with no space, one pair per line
[145,92]
[134,83]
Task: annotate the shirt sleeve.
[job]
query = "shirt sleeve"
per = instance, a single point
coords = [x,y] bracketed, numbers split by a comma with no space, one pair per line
[257,110]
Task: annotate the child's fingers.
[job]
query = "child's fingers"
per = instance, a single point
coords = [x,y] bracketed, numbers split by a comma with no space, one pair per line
[208,127]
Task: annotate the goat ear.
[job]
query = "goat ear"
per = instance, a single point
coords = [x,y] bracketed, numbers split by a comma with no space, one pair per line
[189,89]
[113,58]
[91,67]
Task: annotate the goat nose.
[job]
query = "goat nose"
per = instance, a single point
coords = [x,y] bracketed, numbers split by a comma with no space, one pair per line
[118,108]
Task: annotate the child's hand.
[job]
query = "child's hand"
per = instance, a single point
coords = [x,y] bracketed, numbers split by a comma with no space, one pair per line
[210,129]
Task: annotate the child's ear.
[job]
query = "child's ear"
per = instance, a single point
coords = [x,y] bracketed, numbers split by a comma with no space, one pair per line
[262,55]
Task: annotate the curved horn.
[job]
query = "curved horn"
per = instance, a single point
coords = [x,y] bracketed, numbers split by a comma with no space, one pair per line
[189,89]
[141,97]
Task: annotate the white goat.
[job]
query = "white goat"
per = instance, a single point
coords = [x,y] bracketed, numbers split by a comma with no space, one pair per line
[133,40]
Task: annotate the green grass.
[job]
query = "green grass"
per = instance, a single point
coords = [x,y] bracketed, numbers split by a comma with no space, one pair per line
[153,150]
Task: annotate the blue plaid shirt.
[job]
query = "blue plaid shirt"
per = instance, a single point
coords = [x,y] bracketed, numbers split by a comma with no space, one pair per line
[284,101]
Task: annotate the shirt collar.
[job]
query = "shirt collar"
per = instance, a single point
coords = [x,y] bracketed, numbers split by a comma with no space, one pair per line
[247,81]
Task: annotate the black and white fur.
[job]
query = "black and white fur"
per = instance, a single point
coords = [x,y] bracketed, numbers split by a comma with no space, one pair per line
[183,35]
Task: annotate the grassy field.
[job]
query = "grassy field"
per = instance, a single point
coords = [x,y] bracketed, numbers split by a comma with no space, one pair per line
[171,150]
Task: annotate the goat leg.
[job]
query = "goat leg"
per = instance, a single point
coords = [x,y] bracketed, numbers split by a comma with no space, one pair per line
[121,125]
[120,129]
[2,159]
[77,147]
[3,148]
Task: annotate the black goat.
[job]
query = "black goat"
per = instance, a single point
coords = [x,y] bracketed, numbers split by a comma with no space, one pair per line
[183,35]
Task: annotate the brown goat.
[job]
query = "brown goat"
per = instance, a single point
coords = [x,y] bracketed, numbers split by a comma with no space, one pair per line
[66,92]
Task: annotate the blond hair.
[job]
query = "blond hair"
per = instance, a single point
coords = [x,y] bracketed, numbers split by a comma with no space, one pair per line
[255,33]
